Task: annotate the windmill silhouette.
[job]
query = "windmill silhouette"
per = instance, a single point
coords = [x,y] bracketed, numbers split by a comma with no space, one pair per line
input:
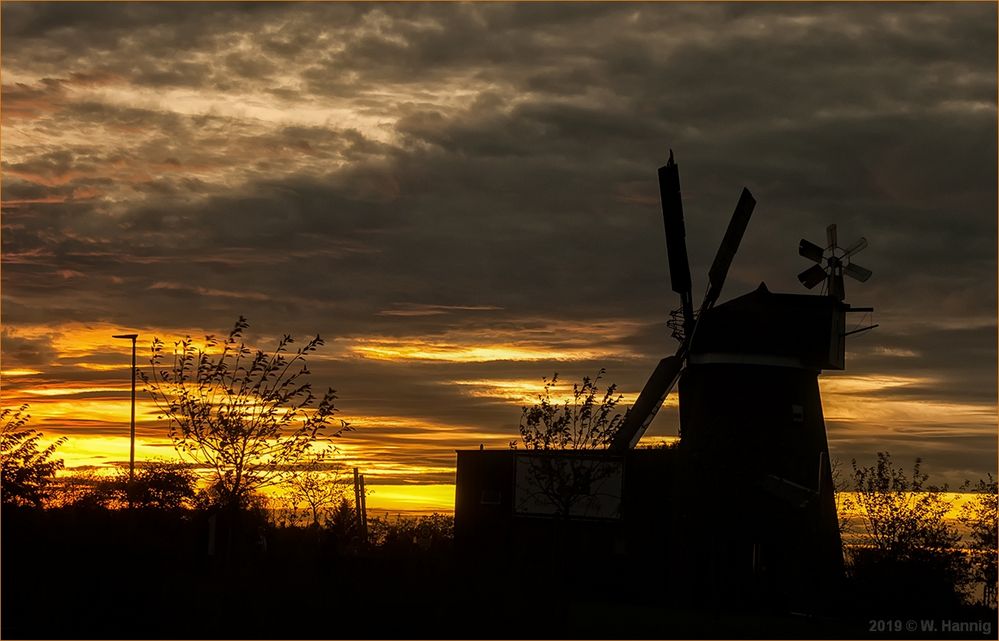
[752,430]
[745,504]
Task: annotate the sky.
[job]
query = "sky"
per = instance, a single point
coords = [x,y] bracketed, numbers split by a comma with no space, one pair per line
[462,199]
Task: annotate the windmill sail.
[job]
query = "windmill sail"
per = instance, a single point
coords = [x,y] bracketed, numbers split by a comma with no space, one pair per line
[676,242]
[729,245]
[652,397]
[668,371]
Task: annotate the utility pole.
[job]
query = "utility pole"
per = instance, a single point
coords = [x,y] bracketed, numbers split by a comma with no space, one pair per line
[357,497]
[360,504]
[364,513]
[131,448]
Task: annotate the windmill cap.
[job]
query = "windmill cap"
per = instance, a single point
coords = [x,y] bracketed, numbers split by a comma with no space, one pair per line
[804,328]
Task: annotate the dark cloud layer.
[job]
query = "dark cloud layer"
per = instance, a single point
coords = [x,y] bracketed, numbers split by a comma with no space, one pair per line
[317,166]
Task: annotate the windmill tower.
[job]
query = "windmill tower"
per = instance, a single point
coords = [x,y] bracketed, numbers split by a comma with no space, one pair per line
[752,493]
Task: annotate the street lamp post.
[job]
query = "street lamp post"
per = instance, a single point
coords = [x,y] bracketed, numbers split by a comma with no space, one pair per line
[131,448]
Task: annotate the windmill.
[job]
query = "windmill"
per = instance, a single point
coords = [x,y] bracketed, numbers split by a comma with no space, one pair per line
[750,411]
[683,322]
[745,502]
[832,263]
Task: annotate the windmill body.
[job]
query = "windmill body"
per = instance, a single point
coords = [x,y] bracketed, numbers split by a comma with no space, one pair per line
[754,481]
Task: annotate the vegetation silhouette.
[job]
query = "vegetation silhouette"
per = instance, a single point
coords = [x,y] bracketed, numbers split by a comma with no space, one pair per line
[585,420]
[320,486]
[153,564]
[911,557]
[980,515]
[158,485]
[27,468]
[244,414]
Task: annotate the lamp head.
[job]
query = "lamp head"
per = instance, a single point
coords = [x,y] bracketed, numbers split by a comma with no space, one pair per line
[130,336]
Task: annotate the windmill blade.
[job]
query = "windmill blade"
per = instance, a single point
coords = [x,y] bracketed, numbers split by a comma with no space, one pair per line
[812,276]
[831,235]
[676,243]
[811,251]
[857,272]
[855,247]
[729,245]
[658,387]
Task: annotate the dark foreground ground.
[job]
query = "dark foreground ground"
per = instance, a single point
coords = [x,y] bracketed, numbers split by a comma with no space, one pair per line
[111,575]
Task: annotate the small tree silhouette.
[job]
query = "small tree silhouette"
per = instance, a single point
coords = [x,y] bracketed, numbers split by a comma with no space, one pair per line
[245,415]
[912,558]
[157,485]
[903,516]
[980,515]
[586,421]
[26,469]
[160,486]
[319,485]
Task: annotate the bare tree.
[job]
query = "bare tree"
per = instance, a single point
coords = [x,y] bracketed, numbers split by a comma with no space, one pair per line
[246,415]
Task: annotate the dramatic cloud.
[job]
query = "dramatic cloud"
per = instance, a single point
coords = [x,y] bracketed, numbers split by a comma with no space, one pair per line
[467,193]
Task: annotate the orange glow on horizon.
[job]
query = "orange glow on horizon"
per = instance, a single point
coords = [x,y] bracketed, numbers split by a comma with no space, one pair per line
[77,341]
[849,509]
[86,411]
[860,399]
[423,498]
[522,391]
[532,340]
[82,451]
[392,350]
[70,389]
[19,372]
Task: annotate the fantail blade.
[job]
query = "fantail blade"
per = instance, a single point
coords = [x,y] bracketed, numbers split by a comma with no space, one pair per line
[855,247]
[856,271]
[811,251]
[812,276]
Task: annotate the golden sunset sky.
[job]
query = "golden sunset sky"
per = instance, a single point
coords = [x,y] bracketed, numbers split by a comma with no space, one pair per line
[462,199]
